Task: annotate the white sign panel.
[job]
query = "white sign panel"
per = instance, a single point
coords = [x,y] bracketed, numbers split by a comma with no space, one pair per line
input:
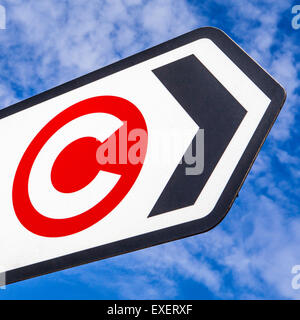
[150,149]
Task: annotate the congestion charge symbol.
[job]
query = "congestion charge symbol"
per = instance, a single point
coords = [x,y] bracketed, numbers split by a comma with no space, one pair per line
[62,173]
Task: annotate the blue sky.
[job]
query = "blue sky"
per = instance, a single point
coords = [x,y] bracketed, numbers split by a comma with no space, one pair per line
[251,253]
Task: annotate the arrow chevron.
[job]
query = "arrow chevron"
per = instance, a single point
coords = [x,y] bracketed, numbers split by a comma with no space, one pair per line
[204,98]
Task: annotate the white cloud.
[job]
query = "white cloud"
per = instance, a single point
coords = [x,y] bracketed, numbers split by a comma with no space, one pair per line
[7,96]
[151,273]
[60,40]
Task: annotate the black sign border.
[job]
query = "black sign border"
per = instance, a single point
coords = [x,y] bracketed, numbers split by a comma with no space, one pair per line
[260,77]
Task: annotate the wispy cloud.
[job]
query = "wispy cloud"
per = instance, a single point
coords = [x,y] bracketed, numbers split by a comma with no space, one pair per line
[49,42]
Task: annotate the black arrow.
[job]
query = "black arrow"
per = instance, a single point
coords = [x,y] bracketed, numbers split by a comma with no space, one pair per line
[214,109]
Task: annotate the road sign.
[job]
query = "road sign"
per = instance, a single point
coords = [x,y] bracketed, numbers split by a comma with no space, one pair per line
[150,149]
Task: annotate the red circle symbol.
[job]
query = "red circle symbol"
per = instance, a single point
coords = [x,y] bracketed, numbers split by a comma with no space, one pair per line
[62,174]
